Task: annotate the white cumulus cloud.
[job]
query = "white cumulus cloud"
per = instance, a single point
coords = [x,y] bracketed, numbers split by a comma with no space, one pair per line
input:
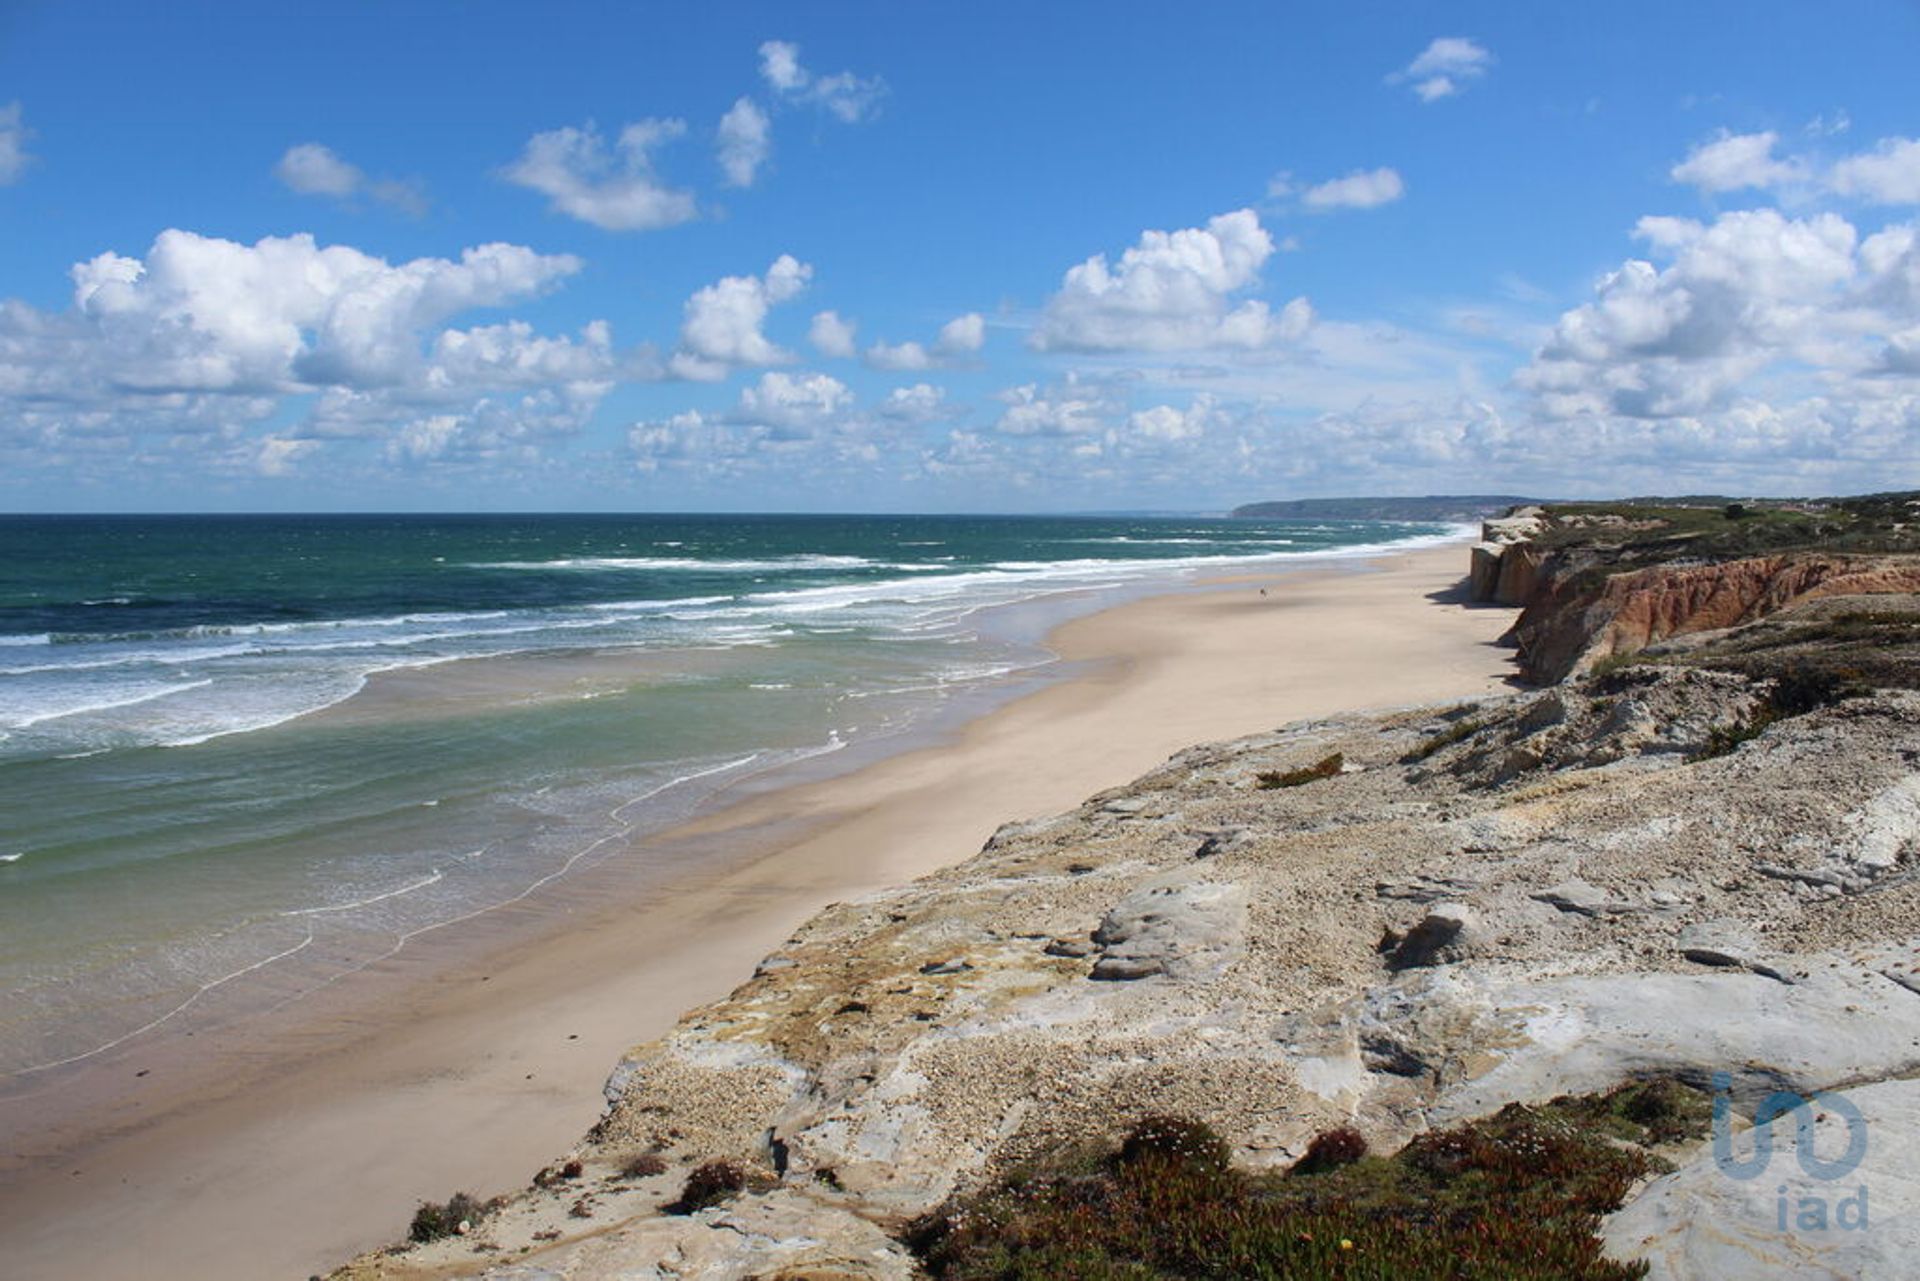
[314,169]
[1887,175]
[722,330]
[13,144]
[962,334]
[745,142]
[1165,423]
[847,97]
[793,403]
[831,335]
[779,413]
[958,338]
[1361,189]
[1077,407]
[1445,67]
[898,356]
[1732,161]
[1172,291]
[614,188]
[207,313]
[204,341]
[1752,305]
[922,402]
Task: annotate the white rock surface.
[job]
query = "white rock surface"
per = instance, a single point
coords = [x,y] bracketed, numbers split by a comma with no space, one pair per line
[1701,1224]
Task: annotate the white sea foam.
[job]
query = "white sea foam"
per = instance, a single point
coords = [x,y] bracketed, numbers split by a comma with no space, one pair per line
[685,563]
[117,689]
[126,698]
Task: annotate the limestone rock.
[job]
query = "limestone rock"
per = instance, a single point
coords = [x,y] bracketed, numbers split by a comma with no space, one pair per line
[782,1234]
[1444,931]
[1726,943]
[1701,1222]
[1185,929]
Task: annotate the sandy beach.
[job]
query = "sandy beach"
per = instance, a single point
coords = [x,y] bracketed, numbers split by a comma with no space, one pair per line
[476,1079]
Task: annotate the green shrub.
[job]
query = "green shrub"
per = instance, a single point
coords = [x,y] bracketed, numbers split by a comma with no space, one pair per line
[643,1166]
[1456,733]
[1800,690]
[1517,1196]
[1326,768]
[1723,740]
[1173,1142]
[1614,663]
[433,1220]
[1795,692]
[1331,1150]
[709,1184]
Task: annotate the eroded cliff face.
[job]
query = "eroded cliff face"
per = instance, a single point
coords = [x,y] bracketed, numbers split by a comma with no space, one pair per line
[1577,615]
[1536,895]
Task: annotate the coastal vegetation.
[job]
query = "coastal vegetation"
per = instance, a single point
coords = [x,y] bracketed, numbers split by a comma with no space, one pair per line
[1516,1195]
[708,1185]
[1458,732]
[1326,767]
[456,1216]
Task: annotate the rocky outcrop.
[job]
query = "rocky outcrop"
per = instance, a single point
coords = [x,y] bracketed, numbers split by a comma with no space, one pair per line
[1504,565]
[1577,617]
[1770,1218]
[1537,895]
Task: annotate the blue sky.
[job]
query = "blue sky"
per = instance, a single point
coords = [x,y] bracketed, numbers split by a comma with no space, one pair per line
[1071,256]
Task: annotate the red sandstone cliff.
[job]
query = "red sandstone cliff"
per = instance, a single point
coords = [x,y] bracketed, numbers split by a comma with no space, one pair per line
[1576,615]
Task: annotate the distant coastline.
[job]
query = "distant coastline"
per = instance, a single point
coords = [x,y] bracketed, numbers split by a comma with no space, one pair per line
[1447,508]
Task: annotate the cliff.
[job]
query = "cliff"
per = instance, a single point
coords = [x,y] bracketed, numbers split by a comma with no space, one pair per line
[1390,923]
[1602,584]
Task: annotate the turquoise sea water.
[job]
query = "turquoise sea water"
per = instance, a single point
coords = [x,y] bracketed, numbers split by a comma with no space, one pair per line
[241,747]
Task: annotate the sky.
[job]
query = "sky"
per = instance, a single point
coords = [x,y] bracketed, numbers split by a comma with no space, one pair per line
[982,257]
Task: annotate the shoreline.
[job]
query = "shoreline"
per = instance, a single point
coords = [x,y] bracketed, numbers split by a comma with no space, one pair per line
[477,1081]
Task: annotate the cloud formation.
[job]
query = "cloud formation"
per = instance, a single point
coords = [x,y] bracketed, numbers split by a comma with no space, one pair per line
[1753,305]
[744,143]
[314,169]
[1165,423]
[1077,407]
[844,96]
[774,416]
[614,188]
[13,145]
[1444,68]
[960,337]
[1887,175]
[831,335]
[1732,161]
[202,340]
[1361,189]
[722,330]
[1172,291]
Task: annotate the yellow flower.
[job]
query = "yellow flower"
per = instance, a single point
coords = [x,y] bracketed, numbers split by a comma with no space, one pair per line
[1345,1244]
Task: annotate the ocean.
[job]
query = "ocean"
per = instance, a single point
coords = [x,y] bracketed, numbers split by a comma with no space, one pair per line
[243,757]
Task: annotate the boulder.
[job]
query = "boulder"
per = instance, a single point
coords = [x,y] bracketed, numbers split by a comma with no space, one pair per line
[1443,932]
